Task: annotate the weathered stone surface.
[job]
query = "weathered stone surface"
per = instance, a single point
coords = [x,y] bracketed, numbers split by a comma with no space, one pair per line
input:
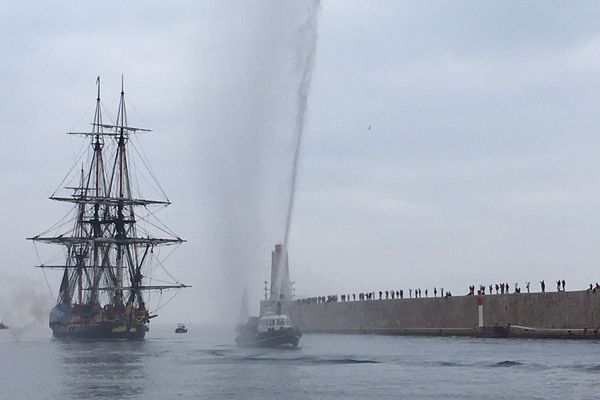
[557,310]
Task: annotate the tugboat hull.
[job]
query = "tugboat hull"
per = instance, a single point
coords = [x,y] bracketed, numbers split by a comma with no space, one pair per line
[273,338]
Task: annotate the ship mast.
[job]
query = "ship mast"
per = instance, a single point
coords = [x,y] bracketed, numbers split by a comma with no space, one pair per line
[104,242]
[97,164]
[120,223]
[80,258]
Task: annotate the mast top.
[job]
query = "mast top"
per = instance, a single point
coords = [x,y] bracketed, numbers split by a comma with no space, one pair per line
[122,91]
[98,84]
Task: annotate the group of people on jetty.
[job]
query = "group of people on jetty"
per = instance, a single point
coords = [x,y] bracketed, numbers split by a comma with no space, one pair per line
[498,288]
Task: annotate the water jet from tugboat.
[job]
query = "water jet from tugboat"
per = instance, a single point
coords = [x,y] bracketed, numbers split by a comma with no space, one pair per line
[305,62]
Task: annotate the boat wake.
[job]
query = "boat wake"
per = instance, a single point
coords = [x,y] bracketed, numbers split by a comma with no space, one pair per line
[506,363]
[279,357]
[309,360]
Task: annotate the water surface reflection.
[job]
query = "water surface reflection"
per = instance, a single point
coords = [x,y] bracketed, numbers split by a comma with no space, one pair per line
[103,369]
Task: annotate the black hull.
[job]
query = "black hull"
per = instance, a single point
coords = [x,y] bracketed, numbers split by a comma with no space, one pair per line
[99,333]
[68,322]
[289,337]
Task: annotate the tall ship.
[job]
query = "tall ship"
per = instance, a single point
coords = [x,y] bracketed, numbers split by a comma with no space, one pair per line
[110,240]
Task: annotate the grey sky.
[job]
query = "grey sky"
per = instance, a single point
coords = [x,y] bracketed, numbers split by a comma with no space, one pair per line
[481,165]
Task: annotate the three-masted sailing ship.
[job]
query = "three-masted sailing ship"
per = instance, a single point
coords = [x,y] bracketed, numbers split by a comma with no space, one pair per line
[108,239]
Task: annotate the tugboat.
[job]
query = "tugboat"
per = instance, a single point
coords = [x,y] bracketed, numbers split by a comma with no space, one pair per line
[273,328]
[109,240]
[181,328]
[3,326]
[269,330]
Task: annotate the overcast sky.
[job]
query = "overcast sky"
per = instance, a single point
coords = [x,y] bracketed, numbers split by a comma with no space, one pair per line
[482,162]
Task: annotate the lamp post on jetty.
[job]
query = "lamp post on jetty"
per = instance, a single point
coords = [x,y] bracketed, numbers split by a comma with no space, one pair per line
[480,308]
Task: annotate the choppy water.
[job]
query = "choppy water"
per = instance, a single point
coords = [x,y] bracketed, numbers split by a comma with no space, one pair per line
[204,364]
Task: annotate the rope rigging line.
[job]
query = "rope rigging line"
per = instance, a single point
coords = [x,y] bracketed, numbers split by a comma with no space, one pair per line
[168,301]
[48,285]
[86,112]
[142,177]
[60,254]
[142,157]
[60,222]
[162,228]
[159,301]
[106,112]
[161,281]
[75,126]
[86,149]
[159,263]
[165,228]
[150,270]
[155,261]
[144,123]
[82,147]
[37,253]
[134,180]
[173,250]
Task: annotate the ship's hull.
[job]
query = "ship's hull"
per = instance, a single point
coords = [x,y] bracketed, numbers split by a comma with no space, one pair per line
[289,337]
[89,322]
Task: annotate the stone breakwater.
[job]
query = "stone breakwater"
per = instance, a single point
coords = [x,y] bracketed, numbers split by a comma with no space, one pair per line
[557,314]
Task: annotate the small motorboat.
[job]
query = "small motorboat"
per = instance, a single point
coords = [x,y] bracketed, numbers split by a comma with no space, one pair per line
[181,328]
[3,325]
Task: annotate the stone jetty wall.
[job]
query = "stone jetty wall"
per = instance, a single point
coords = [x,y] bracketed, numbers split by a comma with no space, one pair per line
[557,310]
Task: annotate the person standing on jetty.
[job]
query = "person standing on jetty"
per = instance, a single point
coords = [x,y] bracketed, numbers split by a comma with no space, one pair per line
[543,285]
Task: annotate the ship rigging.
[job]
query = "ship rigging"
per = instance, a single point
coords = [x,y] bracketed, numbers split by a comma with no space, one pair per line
[110,245]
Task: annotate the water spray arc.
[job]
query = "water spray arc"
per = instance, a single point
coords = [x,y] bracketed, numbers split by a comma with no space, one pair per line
[307,45]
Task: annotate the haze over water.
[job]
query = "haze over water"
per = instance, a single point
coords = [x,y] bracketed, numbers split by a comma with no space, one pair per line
[449,144]
[204,364]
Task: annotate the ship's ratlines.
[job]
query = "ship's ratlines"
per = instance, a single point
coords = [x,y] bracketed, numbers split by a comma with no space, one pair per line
[111,236]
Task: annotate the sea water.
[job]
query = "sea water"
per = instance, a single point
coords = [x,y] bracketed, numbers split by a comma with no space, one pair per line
[205,364]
